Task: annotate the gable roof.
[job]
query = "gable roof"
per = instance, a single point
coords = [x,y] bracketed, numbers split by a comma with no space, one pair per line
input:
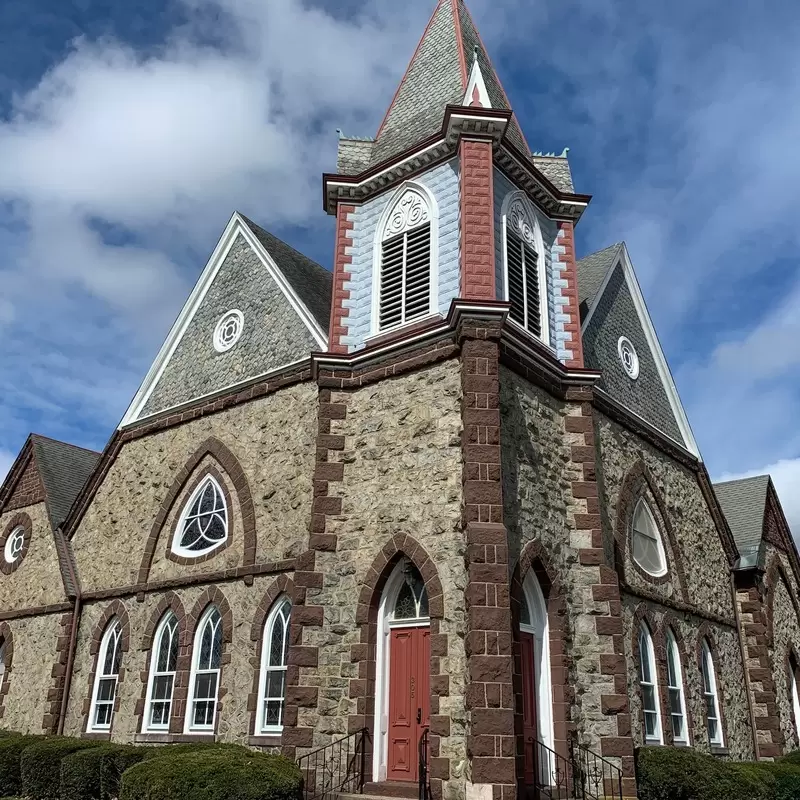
[744,503]
[592,271]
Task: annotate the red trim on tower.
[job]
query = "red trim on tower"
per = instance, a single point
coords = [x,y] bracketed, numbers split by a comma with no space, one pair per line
[567,241]
[462,56]
[342,260]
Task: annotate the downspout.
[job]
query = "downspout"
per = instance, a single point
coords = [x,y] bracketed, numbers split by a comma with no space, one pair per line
[743,650]
[73,640]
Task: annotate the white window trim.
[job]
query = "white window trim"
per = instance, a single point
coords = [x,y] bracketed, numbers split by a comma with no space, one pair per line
[377,255]
[708,660]
[178,535]
[622,343]
[380,753]
[17,533]
[147,727]
[679,687]
[102,653]
[659,539]
[219,345]
[644,632]
[541,267]
[795,700]
[278,606]
[189,727]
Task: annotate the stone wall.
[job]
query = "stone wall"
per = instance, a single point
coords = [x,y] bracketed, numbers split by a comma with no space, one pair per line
[37,580]
[272,439]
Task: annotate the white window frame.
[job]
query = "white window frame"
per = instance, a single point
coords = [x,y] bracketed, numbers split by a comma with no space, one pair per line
[113,632]
[177,548]
[266,667]
[647,653]
[642,503]
[147,725]
[709,676]
[17,535]
[536,241]
[675,684]
[189,726]
[377,258]
[793,666]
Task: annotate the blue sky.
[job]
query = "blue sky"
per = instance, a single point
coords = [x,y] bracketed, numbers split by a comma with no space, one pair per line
[130,132]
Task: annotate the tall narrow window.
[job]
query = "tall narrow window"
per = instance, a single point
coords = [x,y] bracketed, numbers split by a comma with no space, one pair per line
[203,524]
[206,664]
[648,550]
[677,700]
[274,649]
[525,269]
[106,677]
[711,696]
[163,664]
[793,668]
[649,685]
[405,272]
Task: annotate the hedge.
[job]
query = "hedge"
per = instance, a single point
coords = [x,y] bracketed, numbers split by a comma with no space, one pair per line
[40,765]
[94,773]
[212,774]
[11,748]
[669,773]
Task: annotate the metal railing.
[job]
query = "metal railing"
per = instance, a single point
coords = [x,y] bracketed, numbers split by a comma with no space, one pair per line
[424,775]
[582,774]
[337,768]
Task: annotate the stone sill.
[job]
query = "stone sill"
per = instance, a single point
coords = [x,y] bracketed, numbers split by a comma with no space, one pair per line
[173,738]
[275,740]
[720,751]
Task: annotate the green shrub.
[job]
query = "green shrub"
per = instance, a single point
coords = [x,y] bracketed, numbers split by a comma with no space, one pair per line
[791,758]
[40,765]
[11,748]
[214,773]
[94,773]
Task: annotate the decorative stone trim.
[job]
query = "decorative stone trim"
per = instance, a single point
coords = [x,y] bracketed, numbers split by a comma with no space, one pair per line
[341,276]
[214,448]
[282,585]
[169,602]
[115,609]
[7,638]
[670,622]
[573,340]
[639,483]
[55,694]
[23,521]
[705,632]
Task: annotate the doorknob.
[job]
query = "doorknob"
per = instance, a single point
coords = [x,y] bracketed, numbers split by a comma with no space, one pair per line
[419,716]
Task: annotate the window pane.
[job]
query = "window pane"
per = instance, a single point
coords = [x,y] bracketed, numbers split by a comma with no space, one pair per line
[649,697]
[423,603]
[644,657]
[651,725]
[206,522]
[162,687]
[203,713]
[276,645]
[406,605]
[102,717]
[677,727]
[713,730]
[206,685]
[273,712]
[276,682]
[105,689]
[159,713]
[672,669]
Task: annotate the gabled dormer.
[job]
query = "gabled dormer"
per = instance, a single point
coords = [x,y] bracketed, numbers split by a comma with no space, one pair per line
[448,202]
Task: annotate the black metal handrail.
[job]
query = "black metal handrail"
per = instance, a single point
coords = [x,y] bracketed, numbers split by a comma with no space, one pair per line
[424,774]
[337,768]
[582,774]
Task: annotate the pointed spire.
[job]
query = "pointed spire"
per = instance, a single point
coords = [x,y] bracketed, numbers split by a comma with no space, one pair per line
[437,76]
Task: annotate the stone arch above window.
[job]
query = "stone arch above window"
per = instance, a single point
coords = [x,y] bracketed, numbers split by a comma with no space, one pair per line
[187,481]
[15,541]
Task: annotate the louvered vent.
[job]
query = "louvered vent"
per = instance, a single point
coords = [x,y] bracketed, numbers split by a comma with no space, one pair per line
[405,277]
[523,284]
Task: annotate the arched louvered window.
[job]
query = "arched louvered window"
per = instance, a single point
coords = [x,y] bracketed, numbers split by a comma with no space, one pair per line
[106,677]
[526,287]
[405,280]
[163,665]
[206,666]
[272,684]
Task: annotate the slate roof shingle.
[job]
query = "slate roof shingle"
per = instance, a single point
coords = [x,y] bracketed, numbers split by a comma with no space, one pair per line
[592,270]
[744,504]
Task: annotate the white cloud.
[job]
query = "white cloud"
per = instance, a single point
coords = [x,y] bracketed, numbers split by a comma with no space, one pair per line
[6,460]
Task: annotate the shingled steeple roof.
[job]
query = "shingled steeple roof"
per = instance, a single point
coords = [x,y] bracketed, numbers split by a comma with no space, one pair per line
[439,75]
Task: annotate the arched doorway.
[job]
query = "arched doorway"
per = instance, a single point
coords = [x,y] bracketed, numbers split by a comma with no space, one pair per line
[402,707]
[537,691]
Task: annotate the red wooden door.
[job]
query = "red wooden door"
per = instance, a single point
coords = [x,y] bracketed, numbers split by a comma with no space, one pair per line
[530,726]
[409,699]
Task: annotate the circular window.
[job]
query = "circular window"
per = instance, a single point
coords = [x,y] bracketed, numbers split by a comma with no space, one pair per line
[14,545]
[228,331]
[628,357]
[648,550]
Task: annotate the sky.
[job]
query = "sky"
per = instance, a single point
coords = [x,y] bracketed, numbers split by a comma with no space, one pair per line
[129,133]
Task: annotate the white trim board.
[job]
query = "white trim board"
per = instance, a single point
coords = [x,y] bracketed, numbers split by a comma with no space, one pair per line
[651,336]
[235,226]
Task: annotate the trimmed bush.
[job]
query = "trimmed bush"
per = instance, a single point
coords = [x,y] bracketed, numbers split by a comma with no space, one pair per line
[11,748]
[212,774]
[791,758]
[94,773]
[40,765]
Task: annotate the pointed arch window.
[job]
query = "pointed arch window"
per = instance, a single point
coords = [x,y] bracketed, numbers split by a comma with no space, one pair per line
[675,692]
[525,279]
[272,682]
[411,601]
[711,696]
[646,542]
[163,666]
[106,677]
[405,290]
[206,667]
[794,667]
[203,524]
[649,686]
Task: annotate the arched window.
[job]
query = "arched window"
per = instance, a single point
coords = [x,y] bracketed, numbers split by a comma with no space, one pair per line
[161,683]
[715,735]
[2,660]
[677,699]
[648,549]
[206,665]
[793,670]
[203,524]
[412,598]
[649,685]
[406,289]
[525,279]
[272,682]
[106,677]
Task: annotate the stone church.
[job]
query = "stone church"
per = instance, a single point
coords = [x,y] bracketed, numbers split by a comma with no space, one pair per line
[441,505]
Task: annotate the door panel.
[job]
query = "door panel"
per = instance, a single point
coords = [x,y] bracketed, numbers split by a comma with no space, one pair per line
[530,727]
